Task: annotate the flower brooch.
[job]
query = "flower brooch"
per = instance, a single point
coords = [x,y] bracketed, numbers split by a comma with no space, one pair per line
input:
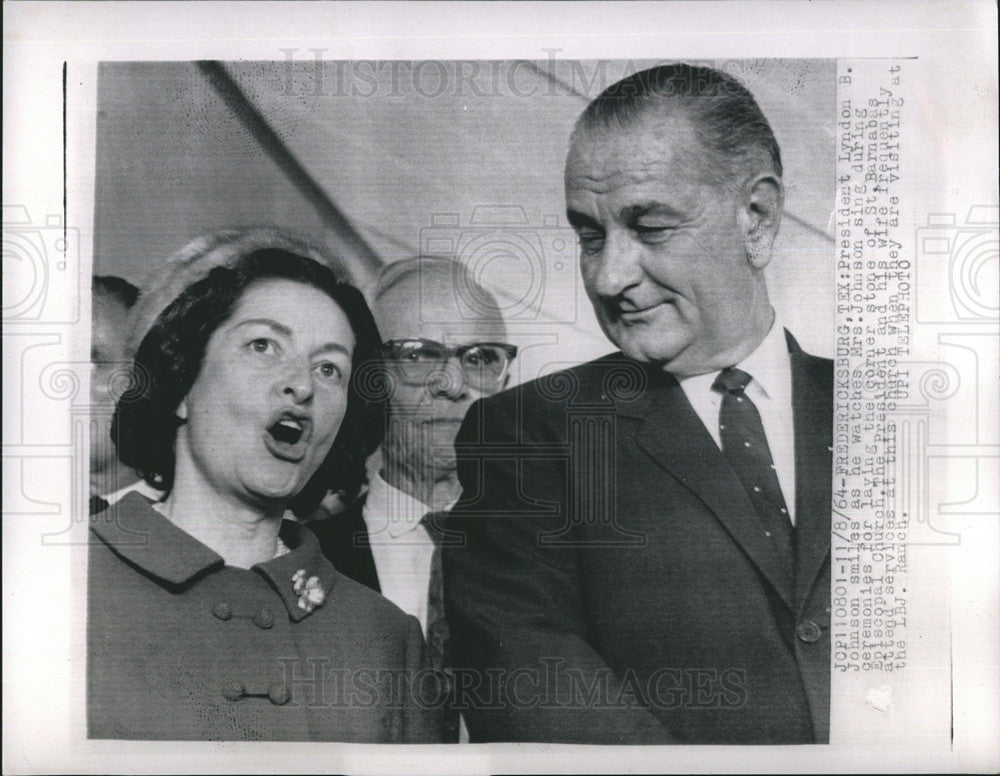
[310,592]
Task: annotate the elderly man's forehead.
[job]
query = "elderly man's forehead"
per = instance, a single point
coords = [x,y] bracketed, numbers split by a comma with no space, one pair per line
[438,302]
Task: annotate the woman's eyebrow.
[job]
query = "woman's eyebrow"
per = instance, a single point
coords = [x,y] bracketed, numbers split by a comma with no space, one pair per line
[328,346]
[280,328]
[284,330]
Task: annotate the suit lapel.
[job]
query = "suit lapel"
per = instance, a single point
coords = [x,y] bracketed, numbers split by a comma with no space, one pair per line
[673,435]
[345,542]
[812,400]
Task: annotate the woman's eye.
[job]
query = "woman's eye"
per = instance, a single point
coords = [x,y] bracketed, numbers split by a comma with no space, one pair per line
[263,346]
[329,371]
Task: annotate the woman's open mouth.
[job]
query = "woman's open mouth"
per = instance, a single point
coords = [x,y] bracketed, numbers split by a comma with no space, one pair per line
[288,436]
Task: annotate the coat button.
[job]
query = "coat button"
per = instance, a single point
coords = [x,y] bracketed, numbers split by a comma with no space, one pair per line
[222,610]
[264,619]
[279,695]
[808,631]
[233,690]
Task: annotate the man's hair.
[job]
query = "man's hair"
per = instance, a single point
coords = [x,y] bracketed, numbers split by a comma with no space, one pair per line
[169,359]
[475,296]
[117,288]
[737,138]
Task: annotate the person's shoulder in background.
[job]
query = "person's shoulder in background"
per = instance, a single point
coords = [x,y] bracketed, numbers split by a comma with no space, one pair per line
[612,380]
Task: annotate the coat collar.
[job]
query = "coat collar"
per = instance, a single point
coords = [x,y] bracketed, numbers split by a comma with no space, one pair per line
[688,451]
[146,539]
[812,412]
[690,454]
[305,556]
[143,537]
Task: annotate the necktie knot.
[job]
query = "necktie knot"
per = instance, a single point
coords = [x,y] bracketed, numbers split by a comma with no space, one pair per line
[732,380]
[433,523]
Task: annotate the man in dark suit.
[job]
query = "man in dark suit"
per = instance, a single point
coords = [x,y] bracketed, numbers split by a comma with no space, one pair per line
[646,536]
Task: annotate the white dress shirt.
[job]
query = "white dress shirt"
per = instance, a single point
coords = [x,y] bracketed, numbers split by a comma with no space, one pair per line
[141,487]
[771,391]
[402,550]
[401,546]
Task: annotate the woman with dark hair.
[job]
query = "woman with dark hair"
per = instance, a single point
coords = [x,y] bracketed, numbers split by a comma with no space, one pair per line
[209,617]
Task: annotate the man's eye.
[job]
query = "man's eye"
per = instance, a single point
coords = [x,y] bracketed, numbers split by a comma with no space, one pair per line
[421,355]
[480,357]
[653,231]
[591,242]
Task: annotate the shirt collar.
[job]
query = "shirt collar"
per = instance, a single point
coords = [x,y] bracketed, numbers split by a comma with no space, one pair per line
[139,486]
[390,509]
[769,365]
[143,537]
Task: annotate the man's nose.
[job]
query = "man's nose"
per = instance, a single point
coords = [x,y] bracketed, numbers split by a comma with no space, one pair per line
[619,266]
[296,381]
[448,382]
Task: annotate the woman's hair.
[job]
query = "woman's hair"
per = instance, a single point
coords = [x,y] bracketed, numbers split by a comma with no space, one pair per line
[169,359]
[169,277]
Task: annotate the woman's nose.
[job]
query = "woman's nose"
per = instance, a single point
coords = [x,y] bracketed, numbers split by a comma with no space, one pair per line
[296,381]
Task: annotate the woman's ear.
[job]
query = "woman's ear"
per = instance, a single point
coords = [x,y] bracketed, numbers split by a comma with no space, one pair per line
[760,218]
[182,410]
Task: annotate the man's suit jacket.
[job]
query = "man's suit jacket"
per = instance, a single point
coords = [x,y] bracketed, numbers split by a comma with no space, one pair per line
[343,540]
[615,584]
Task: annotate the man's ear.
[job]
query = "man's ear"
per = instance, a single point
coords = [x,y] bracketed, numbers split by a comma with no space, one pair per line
[760,217]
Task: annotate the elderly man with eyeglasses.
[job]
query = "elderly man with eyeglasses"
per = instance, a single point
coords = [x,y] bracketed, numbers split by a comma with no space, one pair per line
[445,346]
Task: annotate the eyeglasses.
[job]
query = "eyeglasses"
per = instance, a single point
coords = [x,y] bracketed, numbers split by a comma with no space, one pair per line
[484,364]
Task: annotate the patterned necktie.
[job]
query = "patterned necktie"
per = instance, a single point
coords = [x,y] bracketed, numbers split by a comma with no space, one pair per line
[437,624]
[745,446]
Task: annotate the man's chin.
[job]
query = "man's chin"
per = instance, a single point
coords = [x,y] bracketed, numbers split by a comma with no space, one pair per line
[650,350]
[444,467]
[643,342]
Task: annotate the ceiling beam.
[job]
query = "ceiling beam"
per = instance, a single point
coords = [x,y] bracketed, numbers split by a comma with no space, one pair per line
[351,246]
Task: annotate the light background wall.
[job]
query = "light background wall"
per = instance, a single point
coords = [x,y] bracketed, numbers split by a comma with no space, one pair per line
[421,156]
